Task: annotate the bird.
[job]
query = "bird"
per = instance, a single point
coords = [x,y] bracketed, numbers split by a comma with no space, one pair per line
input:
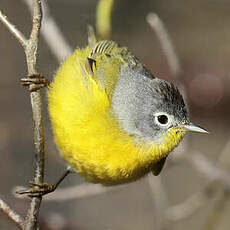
[114,121]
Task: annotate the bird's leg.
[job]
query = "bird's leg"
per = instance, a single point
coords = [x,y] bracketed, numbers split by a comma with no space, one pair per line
[35,82]
[38,190]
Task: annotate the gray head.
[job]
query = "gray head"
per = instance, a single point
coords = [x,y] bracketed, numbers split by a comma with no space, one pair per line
[147,106]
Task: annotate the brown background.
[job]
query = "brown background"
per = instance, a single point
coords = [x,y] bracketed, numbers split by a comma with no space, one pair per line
[201,32]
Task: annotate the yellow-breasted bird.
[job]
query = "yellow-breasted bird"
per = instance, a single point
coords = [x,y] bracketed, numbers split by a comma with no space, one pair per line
[113,121]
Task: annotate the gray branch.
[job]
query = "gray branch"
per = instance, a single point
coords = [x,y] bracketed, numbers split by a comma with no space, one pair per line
[16,218]
[30,49]
[13,30]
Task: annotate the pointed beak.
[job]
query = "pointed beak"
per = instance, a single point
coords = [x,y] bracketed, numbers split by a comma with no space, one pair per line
[193,128]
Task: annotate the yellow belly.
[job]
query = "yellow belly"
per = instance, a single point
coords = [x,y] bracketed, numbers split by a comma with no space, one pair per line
[89,137]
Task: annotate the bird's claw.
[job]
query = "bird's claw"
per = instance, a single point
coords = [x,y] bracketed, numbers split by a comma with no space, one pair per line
[35,82]
[37,190]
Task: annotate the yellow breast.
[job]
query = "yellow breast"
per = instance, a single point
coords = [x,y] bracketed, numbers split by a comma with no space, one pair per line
[87,134]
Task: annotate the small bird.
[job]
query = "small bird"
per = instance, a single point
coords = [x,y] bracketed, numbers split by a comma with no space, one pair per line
[113,121]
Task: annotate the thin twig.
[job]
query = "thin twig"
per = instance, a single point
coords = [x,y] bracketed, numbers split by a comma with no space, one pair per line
[215,217]
[166,43]
[30,48]
[31,221]
[79,192]
[208,169]
[191,204]
[171,56]
[52,33]
[160,199]
[159,195]
[214,173]
[198,160]
[13,30]
[15,217]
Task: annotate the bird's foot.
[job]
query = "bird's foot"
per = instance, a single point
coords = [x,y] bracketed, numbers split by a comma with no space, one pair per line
[35,82]
[37,190]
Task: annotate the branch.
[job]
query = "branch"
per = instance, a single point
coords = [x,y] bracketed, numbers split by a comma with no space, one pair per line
[13,30]
[159,195]
[79,191]
[171,56]
[160,198]
[207,168]
[30,49]
[52,33]
[166,43]
[215,217]
[214,173]
[31,221]
[200,162]
[16,218]
[191,204]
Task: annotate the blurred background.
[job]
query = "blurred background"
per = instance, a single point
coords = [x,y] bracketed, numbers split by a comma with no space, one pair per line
[190,197]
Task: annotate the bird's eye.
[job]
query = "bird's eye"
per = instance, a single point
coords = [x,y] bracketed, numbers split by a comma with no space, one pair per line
[162,119]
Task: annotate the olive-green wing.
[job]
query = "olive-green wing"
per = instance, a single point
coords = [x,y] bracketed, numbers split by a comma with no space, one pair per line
[103,47]
[104,63]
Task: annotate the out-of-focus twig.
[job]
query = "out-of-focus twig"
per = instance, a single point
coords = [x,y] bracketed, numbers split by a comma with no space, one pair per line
[160,199]
[91,36]
[191,204]
[16,218]
[52,34]
[208,169]
[167,47]
[214,217]
[79,191]
[158,193]
[177,74]
[223,159]
[214,173]
[103,18]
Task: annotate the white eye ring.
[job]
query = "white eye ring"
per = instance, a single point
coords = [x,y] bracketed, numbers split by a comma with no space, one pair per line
[162,119]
